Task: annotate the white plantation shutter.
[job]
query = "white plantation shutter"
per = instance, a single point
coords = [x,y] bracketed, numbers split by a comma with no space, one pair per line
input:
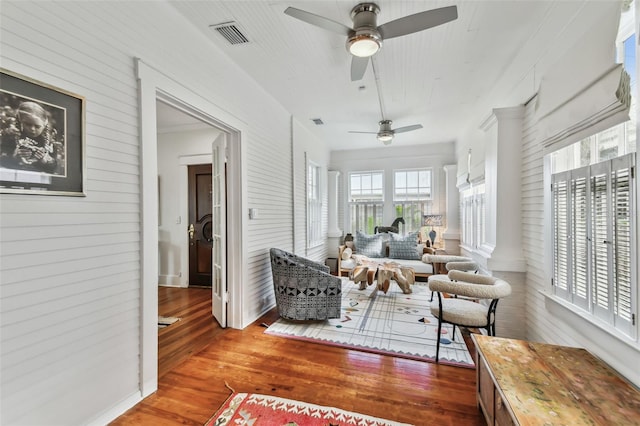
[600,238]
[561,233]
[623,202]
[579,237]
[593,224]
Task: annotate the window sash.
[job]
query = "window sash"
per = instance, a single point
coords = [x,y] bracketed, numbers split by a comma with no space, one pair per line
[412,185]
[366,186]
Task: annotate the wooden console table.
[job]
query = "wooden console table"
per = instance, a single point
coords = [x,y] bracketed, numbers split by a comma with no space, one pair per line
[527,383]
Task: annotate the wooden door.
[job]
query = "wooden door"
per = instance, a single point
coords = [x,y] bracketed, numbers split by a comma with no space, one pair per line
[200,225]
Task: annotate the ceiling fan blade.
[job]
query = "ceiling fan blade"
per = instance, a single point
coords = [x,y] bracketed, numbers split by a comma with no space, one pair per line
[358,67]
[407,128]
[369,133]
[318,21]
[418,22]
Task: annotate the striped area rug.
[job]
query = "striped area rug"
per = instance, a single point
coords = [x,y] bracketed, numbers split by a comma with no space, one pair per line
[393,323]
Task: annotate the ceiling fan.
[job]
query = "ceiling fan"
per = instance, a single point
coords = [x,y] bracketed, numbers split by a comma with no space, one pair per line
[366,37]
[385,134]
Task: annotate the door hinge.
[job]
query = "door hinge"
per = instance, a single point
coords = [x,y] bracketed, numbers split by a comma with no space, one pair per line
[633,319]
[551,282]
[633,172]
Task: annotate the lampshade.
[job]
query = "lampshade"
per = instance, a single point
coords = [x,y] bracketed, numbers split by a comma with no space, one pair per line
[433,219]
[363,45]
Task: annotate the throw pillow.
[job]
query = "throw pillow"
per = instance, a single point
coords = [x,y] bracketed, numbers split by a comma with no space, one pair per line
[405,247]
[370,245]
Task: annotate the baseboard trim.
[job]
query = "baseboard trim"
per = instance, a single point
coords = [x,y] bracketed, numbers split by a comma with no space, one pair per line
[117,410]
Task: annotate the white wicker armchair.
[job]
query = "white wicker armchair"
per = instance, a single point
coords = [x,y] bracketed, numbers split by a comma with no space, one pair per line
[463,311]
[304,289]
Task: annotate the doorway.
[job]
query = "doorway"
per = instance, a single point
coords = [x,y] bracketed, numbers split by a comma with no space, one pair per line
[192,204]
[153,86]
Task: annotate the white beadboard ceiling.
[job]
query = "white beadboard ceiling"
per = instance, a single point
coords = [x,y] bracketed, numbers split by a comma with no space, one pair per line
[435,77]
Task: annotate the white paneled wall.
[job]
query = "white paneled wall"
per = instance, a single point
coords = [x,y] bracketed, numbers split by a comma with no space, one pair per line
[70,272]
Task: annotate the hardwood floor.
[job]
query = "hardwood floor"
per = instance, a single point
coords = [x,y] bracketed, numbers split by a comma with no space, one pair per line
[195,330]
[199,358]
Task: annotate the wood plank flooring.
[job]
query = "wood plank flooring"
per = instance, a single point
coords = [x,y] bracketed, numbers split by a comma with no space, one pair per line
[195,367]
[195,330]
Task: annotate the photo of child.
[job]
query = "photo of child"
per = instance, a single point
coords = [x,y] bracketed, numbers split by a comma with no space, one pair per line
[32,136]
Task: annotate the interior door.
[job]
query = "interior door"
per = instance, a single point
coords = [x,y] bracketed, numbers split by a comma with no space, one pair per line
[200,225]
[219,227]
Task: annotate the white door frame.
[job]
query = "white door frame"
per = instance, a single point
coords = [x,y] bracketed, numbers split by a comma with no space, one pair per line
[153,86]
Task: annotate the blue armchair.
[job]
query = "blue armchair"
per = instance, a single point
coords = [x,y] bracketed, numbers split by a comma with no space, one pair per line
[304,289]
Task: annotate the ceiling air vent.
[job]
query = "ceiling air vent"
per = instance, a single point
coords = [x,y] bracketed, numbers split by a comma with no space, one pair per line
[231,32]
[317,121]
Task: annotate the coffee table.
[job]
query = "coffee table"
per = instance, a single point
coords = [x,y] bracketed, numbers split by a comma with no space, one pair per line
[367,270]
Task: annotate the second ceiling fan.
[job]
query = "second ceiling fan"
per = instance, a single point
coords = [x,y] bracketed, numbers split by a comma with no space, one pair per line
[385,134]
[366,37]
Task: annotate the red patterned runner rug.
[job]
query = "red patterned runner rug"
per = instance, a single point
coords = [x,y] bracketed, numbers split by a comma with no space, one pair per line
[263,410]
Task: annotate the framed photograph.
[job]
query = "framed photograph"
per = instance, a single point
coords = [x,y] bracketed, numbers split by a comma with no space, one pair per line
[41,138]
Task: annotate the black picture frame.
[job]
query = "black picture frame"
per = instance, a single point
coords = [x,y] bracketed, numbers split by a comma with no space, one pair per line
[42,138]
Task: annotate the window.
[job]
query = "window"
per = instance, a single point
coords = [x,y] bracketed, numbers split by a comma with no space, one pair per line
[366,200]
[314,206]
[594,219]
[412,196]
[472,208]
[594,248]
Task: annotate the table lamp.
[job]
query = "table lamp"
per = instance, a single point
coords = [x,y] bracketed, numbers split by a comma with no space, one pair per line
[433,220]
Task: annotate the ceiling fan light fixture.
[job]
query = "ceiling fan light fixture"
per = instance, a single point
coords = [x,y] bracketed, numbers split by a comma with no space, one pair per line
[385,137]
[364,44]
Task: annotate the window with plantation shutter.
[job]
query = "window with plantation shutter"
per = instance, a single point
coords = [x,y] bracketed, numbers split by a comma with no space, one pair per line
[412,194]
[593,225]
[473,211]
[366,200]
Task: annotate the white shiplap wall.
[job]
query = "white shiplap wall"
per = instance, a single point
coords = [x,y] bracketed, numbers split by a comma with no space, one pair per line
[70,278]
